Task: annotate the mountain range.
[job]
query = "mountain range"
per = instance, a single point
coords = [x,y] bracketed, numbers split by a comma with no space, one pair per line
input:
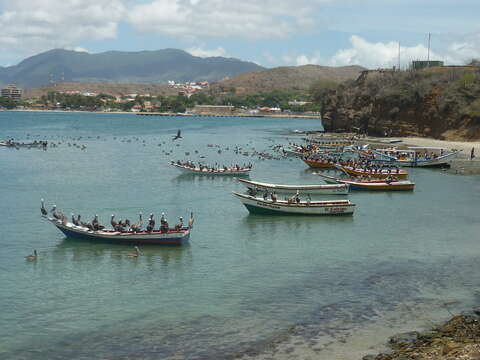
[147,67]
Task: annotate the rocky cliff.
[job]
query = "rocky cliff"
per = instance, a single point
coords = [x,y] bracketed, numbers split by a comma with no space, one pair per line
[442,103]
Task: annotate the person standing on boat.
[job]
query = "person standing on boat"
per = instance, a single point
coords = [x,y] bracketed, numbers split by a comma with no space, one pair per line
[472,153]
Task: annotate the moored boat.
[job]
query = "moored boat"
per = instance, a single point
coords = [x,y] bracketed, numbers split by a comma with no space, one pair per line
[157,237]
[322,189]
[375,173]
[257,205]
[373,185]
[414,157]
[319,164]
[212,171]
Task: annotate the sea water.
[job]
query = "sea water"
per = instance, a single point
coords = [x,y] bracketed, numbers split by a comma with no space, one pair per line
[244,282]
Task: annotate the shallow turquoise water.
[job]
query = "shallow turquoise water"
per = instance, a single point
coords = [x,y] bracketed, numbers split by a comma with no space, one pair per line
[243,279]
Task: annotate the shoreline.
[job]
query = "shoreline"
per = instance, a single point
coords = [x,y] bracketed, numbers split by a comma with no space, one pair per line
[295,116]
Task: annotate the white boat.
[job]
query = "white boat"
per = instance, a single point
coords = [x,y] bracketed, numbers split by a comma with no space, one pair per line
[412,157]
[257,205]
[211,171]
[323,189]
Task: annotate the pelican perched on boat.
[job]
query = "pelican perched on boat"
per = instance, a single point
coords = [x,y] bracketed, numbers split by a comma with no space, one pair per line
[135,254]
[75,221]
[32,257]
[113,222]
[151,223]
[57,215]
[137,226]
[190,221]
[43,210]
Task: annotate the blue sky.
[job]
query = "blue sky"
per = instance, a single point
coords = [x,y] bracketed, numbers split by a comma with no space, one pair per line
[268,32]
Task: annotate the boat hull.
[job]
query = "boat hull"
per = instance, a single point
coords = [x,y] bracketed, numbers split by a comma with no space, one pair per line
[402,174]
[330,189]
[317,164]
[267,207]
[378,185]
[197,171]
[173,238]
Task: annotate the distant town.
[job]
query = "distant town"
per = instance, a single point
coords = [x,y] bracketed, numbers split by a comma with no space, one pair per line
[187,98]
[197,98]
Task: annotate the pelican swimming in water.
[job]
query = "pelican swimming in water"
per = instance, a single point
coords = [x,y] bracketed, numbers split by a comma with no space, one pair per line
[43,210]
[135,254]
[178,136]
[32,257]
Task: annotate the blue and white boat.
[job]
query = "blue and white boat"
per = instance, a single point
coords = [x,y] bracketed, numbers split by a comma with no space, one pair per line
[157,237]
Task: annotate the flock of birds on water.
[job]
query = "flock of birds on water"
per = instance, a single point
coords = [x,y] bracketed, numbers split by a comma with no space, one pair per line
[275,152]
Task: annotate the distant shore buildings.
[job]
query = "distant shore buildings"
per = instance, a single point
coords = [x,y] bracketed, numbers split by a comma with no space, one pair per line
[12,92]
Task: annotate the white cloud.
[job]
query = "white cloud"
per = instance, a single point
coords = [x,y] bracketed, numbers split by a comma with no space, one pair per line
[32,26]
[250,19]
[379,54]
[312,59]
[201,52]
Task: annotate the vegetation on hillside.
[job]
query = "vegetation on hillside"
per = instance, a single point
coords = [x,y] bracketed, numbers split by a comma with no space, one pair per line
[437,102]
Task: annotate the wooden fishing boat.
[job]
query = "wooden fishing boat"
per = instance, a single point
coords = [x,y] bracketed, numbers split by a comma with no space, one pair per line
[157,237]
[219,171]
[257,205]
[372,185]
[412,157]
[319,164]
[322,189]
[18,144]
[380,174]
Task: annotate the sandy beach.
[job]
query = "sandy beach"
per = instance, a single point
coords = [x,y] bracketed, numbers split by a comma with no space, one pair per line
[466,146]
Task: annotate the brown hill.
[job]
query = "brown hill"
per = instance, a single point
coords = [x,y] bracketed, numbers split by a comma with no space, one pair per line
[297,78]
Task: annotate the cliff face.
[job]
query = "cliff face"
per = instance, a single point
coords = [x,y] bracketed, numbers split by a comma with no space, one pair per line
[439,103]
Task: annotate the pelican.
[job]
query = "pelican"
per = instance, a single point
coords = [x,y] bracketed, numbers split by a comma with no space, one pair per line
[151,223]
[178,136]
[32,257]
[113,222]
[137,226]
[135,254]
[190,221]
[43,210]
[180,224]
[57,215]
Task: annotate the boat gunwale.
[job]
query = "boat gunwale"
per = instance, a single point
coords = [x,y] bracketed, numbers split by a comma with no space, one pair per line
[303,204]
[294,187]
[242,171]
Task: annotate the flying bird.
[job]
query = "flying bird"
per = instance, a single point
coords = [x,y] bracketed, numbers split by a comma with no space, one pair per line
[178,136]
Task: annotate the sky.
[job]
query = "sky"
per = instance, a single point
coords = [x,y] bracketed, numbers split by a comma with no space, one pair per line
[268,32]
